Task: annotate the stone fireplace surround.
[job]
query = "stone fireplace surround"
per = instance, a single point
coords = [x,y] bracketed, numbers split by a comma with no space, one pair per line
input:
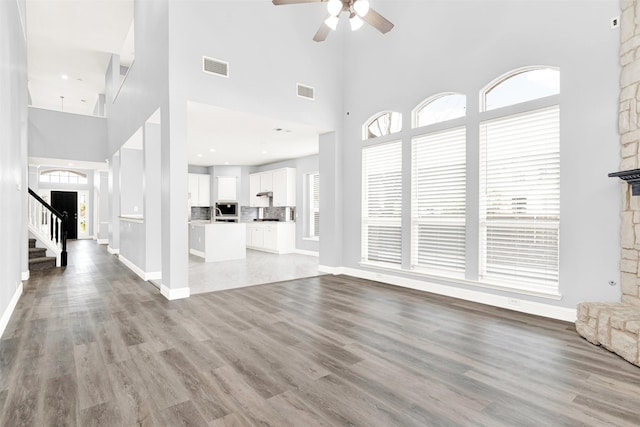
[616,326]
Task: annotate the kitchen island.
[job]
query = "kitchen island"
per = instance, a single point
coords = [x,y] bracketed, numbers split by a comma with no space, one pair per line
[217,241]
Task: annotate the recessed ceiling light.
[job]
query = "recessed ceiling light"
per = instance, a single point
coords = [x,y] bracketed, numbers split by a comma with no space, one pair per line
[83,100]
[264,151]
[226,163]
[70,164]
[212,150]
[282,130]
[64,77]
[199,155]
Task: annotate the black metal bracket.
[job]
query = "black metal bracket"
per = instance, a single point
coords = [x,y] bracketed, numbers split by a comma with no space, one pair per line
[632,177]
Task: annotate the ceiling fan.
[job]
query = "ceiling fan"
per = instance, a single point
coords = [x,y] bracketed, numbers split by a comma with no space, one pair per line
[358,10]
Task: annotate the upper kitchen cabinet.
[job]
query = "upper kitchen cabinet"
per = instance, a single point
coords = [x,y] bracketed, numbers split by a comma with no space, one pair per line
[199,189]
[227,188]
[284,187]
[281,182]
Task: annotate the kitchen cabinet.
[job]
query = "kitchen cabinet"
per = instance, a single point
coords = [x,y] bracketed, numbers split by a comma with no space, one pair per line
[276,237]
[255,188]
[227,188]
[199,189]
[284,187]
[282,182]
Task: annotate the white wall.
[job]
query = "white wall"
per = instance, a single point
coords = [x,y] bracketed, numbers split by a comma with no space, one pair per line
[461,46]
[59,135]
[132,179]
[13,156]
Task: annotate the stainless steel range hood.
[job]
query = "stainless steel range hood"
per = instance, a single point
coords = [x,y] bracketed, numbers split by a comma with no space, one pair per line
[265,194]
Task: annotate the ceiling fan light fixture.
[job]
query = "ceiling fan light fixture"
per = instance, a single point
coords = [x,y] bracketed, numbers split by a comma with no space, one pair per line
[334,7]
[361,7]
[332,22]
[356,22]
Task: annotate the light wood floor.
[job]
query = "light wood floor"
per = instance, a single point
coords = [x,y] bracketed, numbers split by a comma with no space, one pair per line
[94,345]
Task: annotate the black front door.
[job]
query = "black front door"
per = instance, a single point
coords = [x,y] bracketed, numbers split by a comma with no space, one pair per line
[67,201]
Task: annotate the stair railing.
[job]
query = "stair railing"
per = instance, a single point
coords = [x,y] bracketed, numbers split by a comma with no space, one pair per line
[49,224]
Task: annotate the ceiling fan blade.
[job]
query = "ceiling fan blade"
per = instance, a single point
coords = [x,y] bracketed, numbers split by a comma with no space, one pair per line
[279,2]
[322,33]
[378,21]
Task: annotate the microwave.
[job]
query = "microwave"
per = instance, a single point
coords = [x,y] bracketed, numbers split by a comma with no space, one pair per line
[226,210]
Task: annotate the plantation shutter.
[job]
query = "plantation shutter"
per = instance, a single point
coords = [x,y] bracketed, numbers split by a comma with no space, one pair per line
[520,199]
[439,201]
[382,203]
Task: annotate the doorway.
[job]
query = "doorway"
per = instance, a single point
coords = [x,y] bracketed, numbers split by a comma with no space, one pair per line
[67,201]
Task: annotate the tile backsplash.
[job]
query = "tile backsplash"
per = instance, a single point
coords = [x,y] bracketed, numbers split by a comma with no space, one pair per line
[248,213]
[200,213]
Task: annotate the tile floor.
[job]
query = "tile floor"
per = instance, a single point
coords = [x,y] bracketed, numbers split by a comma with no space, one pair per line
[258,268]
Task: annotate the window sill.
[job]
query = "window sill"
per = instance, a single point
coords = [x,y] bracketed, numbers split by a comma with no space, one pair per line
[452,280]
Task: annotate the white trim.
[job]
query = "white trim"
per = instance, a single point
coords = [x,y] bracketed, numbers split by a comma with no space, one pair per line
[26,275]
[305,252]
[521,305]
[113,251]
[154,275]
[197,253]
[331,270]
[462,281]
[102,241]
[6,316]
[172,294]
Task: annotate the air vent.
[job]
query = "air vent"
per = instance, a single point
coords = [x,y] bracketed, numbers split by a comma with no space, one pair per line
[215,66]
[306,92]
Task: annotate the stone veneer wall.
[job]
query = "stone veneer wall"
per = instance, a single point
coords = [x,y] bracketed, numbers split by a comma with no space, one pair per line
[629,126]
[616,326]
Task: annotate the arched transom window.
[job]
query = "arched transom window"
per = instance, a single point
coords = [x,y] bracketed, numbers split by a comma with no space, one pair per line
[440,108]
[521,85]
[63,177]
[381,124]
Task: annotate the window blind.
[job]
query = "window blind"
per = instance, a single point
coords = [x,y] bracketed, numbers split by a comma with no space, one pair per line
[315,205]
[382,203]
[439,201]
[520,199]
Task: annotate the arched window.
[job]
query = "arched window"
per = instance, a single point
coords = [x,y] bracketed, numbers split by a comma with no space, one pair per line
[521,85]
[440,108]
[63,177]
[381,124]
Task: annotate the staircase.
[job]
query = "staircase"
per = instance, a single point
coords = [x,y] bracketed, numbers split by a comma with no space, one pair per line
[38,259]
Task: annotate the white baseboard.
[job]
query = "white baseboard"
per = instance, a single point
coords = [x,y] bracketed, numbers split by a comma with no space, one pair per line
[113,251]
[102,241]
[6,316]
[26,275]
[523,305]
[197,253]
[172,294]
[305,252]
[155,275]
[331,270]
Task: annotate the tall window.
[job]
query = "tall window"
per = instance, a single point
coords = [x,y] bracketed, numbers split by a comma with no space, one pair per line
[382,203]
[439,201]
[382,124]
[313,192]
[440,108]
[520,198]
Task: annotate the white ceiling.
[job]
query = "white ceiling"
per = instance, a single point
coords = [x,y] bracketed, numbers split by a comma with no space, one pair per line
[75,38]
[218,136]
